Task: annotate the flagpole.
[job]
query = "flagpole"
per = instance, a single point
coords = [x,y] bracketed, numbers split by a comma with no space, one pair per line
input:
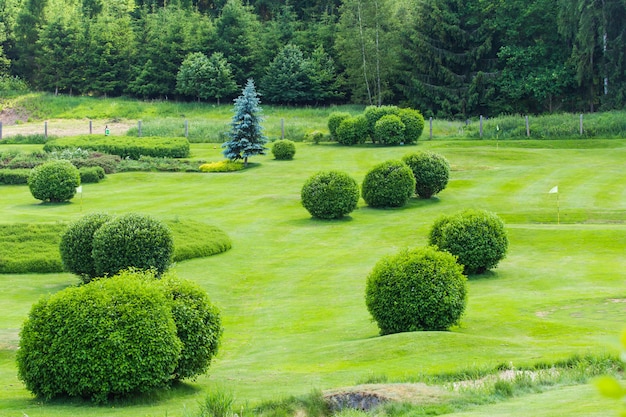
[558,209]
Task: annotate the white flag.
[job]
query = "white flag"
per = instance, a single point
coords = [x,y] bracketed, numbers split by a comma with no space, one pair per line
[79,189]
[554,189]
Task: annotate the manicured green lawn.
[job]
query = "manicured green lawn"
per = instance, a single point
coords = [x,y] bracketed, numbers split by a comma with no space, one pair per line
[291,289]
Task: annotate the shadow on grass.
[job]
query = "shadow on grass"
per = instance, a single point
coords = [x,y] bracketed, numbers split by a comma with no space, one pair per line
[176,390]
[482,276]
[316,222]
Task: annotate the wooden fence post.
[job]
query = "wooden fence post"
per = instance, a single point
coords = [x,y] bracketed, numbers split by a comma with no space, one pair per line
[480,126]
[431,127]
[282,128]
[581,124]
[90,127]
[527,126]
[186,128]
[139,128]
[45,129]
[0,130]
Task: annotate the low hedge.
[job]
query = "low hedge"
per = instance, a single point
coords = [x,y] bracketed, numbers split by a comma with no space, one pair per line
[123,146]
[91,174]
[34,248]
[14,176]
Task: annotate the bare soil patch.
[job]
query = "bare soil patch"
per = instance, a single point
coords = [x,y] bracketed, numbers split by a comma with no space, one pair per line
[11,116]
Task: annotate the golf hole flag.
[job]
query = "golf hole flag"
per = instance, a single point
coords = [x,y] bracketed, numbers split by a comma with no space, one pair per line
[79,189]
[554,190]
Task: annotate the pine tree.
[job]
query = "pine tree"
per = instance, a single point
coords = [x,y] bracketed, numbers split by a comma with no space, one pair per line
[246,134]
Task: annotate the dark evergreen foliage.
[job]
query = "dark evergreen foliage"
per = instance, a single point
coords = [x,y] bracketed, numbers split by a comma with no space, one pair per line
[246,133]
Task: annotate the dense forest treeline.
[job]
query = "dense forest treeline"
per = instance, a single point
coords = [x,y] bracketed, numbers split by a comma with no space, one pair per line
[448,58]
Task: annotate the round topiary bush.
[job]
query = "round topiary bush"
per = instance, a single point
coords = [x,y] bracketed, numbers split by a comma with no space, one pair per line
[330,195]
[373,113]
[419,289]
[431,172]
[283,149]
[352,130]
[476,237]
[389,130]
[413,123]
[91,174]
[132,240]
[111,337]
[334,120]
[389,184]
[77,244]
[198,325]
[54,181]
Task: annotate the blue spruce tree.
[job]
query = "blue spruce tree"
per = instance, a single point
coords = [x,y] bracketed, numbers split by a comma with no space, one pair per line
[246,134]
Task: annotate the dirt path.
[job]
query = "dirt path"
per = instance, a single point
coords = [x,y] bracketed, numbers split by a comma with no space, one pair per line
[14,123]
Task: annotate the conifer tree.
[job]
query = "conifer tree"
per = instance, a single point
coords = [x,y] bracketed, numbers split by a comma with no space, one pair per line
[246,134]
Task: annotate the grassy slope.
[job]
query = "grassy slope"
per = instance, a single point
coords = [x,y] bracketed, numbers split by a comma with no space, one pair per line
[291,289]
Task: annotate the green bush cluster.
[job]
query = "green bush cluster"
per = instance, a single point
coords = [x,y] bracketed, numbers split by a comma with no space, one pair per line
[334,120]
[352,130]
[222,166]
[91,174]
[330,195]
[22,160]
[477,238]
[76,245]
[54,181]
[389,130]
[14,176]
[98,245]
[388,184]
[123,146]
[34,139]
[419,289]
[109,163]
[283,149]
[117,337]
[431,172]
[387,125]
[316,137]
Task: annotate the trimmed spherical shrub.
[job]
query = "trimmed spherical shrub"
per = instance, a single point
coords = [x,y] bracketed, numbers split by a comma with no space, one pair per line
[389,130]
[77,244]
[54,181]
[389,184]
[431,171]
[374,113]
[283,149]
[198,325]
[132,240]
[352,130]
[419,289]
[413,123]
[111,337]
[334,120]
[476,237]
[330,195]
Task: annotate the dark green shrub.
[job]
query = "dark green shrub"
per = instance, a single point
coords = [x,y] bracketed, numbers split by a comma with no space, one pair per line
[283,149]
[54,181]
[352,130]
[132,240]
[198,325]
[105,161]
[418,289]
[389,130]
[27,160]
[91,174]
[373,113]
[14,176]
[476,237]
[330,195]
[77,245]
[431,171]
[111,337]
[123,146]
[413,123]
[334,120]
[389,184]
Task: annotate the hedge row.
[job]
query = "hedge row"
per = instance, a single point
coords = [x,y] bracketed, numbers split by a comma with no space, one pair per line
[14,176]
[123,146]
